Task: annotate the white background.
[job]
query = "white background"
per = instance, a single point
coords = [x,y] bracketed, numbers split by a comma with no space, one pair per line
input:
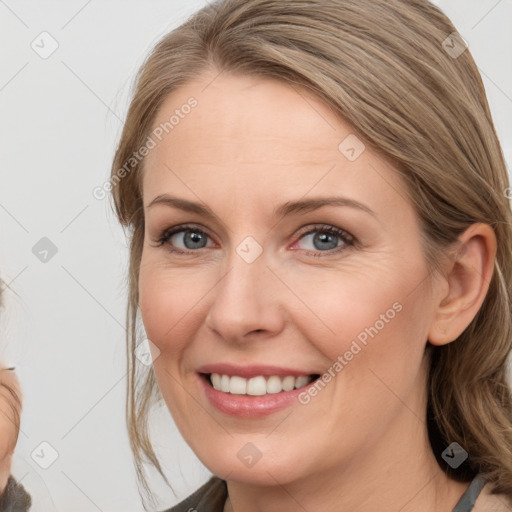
[63,321]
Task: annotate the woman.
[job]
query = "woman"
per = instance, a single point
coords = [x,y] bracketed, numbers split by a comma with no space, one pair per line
[13,497]
[369,374]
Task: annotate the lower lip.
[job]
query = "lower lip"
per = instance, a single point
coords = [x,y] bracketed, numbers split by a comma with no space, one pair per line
[247,406]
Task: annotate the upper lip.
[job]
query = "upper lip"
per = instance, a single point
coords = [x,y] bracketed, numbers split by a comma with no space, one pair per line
[252,370]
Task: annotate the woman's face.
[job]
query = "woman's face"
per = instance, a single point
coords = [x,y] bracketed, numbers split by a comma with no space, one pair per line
[258,278]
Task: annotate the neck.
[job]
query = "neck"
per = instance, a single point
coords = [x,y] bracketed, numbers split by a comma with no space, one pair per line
[401,473]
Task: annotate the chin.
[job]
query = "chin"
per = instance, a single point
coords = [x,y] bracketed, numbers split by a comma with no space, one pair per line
[266,470]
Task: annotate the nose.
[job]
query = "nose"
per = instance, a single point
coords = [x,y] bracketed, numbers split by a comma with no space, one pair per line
[247,302]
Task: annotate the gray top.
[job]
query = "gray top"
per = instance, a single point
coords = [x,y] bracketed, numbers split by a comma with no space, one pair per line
[467,500]
[212,496]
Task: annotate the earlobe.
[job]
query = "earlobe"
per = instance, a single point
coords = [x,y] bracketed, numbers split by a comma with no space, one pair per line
[467,278]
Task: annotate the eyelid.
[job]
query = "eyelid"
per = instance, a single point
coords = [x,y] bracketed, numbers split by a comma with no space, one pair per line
[312,228]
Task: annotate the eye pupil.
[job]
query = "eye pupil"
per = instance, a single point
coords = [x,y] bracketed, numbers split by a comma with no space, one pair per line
[194,238]
[324,237]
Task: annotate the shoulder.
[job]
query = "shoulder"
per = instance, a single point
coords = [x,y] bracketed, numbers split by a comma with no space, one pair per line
[488,502]
[15,498]
[210,497]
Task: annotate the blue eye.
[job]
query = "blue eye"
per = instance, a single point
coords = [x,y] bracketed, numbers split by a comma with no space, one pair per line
[325,239]
[190,236]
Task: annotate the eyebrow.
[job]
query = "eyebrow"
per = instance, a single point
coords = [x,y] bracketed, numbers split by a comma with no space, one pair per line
[288,208]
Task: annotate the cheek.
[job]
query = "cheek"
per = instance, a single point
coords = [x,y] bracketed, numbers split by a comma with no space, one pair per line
[166,304]
[373,319]
[338,305]
[171,300]
[389,351]
[167,300]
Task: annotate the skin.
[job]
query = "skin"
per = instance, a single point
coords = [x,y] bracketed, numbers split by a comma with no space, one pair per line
[361,444]
[10,410]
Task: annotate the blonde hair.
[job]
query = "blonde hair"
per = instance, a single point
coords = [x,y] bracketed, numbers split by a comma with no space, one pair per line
[383,66]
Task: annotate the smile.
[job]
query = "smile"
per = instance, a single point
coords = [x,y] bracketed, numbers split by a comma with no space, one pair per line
[252,397]
[259,385]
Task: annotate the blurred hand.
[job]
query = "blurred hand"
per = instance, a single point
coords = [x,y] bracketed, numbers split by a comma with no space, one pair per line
[10,413]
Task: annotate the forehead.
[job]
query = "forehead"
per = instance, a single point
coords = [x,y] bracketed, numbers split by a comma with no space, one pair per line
[257,140]
[251,111]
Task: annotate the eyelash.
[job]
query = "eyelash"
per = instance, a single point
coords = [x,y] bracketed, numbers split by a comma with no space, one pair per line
[347,239]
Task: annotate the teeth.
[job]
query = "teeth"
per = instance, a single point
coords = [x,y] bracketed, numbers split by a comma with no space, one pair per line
[257,386]
[237,385]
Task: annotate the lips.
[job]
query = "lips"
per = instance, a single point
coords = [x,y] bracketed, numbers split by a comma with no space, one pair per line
[245,405]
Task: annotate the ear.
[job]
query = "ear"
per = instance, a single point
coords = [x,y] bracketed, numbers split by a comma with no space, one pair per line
[467,279]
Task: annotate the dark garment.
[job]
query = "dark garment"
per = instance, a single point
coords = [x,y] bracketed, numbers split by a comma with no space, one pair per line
[15,498]
[212,496]
[208,498]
